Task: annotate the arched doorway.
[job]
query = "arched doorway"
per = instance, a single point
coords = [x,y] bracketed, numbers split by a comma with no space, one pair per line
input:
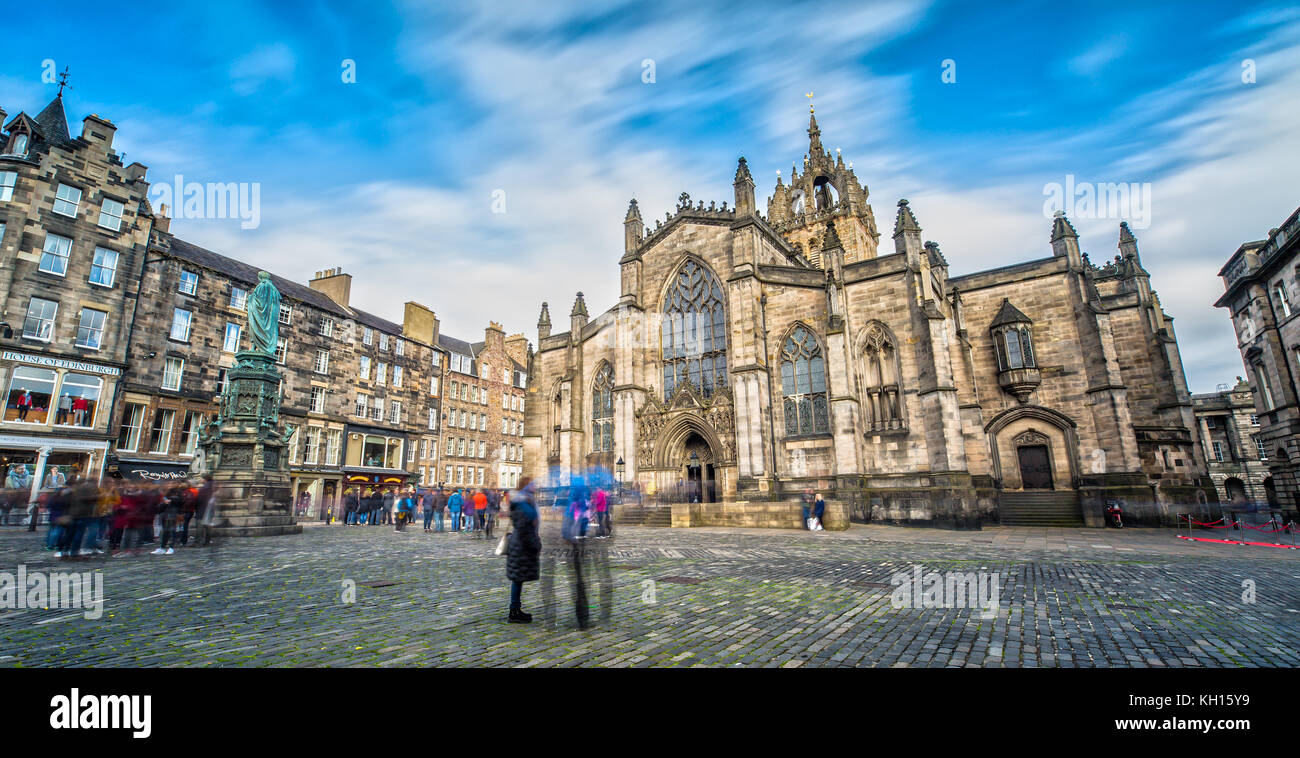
[698,470]
[1236,490]
[1270,491]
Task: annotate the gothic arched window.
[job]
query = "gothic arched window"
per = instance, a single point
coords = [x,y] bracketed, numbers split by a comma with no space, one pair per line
[1012,337]
[883,409]
[602,409]
[803,384]
[694,334]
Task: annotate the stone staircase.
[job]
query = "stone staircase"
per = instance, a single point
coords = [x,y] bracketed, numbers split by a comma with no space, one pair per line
[643,515]
[1049,508]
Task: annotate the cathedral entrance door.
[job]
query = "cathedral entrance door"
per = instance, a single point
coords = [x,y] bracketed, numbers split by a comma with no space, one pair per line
[700,484]
[1035,468]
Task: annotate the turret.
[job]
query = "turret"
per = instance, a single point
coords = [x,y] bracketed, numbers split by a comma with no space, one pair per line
[577,317]
[633,228]
[544,323]
[744,186]
[907,234]
[1065,241]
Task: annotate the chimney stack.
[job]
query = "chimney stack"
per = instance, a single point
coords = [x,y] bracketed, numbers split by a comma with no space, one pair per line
[334,284]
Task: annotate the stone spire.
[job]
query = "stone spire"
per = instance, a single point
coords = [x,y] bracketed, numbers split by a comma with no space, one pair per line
[1128,244]
[633,228]
[814,135]
[1065,240]
[831,240]
[907,234]
[744,186]
[577,317]
[544,323]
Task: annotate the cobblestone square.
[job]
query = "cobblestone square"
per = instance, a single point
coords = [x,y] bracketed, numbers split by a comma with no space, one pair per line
[721,597]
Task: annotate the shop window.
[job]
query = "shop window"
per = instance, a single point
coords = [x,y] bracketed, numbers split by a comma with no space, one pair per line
[78,400]
[132,421]
[372,451]
[30,391]
[394,459]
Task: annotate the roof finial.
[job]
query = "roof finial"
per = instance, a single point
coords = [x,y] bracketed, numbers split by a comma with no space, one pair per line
[63,81]
[809,95]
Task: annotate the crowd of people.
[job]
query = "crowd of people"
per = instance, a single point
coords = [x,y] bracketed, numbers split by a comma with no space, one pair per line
[117,516]
[471,511]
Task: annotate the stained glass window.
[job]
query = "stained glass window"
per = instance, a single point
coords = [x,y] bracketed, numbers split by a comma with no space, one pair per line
[803,384]
[694,337]
[602,409]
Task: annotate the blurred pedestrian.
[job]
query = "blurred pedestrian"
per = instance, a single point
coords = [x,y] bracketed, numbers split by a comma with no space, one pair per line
[523,549]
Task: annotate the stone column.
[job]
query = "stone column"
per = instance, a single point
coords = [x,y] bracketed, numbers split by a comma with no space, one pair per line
[42,455]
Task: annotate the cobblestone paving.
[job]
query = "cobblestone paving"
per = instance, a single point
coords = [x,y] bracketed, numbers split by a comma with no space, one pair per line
[763,598]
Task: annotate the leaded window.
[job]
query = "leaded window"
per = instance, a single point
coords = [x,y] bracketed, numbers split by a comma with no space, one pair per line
[694,337]
[602,409]
[803,384]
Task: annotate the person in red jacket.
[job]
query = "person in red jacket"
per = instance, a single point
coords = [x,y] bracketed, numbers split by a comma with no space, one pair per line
[480,511]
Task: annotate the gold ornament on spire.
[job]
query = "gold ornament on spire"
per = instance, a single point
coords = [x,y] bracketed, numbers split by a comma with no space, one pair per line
[809,95]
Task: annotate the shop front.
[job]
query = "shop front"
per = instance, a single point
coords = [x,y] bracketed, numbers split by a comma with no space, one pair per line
[315,493]
[35,463]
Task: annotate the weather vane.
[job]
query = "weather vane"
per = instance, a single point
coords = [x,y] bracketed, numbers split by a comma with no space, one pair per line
[809,95]
[63,80]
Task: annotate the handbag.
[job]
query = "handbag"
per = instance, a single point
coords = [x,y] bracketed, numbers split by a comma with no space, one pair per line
[501,546]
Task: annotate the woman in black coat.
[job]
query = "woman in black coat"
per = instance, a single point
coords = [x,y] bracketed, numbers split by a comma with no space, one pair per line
[523,557]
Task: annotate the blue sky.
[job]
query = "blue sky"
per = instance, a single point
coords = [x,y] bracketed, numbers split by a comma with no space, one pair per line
[393,176]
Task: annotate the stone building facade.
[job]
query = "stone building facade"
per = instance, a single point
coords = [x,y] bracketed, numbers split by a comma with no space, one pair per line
[483,410]
[1236,453]
[1262,294]
[750,356]
[74,224]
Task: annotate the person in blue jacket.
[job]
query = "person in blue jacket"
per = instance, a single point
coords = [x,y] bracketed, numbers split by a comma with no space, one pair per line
[454,505]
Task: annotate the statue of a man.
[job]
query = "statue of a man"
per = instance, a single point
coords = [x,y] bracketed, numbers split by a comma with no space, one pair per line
[264,315]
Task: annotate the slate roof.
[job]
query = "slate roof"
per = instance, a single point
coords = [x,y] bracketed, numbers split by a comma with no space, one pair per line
[375,322]
[54,122]
[242,272]
[457,345]
[1009,314]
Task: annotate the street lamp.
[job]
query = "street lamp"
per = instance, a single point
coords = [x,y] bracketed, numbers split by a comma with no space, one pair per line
[619,468]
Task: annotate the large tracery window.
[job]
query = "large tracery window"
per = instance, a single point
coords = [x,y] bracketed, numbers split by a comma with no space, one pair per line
[803,384]
[880,368]
[602,410]
[694,332]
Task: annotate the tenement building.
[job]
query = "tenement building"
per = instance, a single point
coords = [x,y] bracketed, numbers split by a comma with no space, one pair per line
[483,409]
[1236,453]
[750,356]
[74,224]
[1262,293]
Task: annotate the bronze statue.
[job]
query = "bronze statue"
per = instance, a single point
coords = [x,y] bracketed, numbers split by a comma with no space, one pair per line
[264,315]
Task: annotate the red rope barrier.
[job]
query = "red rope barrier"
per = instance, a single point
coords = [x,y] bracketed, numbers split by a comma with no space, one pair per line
[1234,542]
[1211,524]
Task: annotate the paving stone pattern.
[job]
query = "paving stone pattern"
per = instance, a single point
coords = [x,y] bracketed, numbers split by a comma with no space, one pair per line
[764,598]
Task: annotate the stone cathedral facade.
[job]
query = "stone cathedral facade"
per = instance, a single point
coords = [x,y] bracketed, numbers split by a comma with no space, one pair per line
[752,355]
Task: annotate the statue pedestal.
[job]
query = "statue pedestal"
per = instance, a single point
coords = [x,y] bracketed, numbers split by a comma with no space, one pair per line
[249,454]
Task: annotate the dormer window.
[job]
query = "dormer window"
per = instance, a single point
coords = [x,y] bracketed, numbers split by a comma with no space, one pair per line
[18,145]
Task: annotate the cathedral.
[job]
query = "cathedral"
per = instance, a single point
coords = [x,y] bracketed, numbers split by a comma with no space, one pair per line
[753,355]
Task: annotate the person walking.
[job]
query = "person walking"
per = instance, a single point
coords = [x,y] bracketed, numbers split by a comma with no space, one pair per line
[480,511]
[426,504]
[390,498]
[600,501]
[454,505]
[819,510]
[806,501]
[490,515]
[172,504]
[524,548]
[439,506]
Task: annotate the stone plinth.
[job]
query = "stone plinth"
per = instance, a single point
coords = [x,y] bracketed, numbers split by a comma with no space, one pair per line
[249,453]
